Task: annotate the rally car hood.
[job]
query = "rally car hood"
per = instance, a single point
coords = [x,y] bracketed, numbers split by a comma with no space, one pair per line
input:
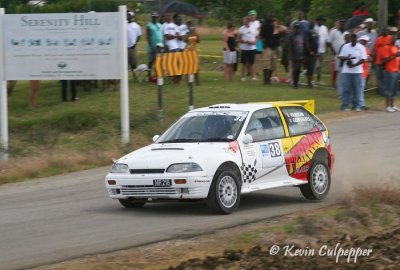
[162,155]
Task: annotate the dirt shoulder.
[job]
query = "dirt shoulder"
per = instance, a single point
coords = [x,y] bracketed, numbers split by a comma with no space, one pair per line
[362,232]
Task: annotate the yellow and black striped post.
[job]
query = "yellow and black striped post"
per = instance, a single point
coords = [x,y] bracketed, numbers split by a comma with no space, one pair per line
[176,64]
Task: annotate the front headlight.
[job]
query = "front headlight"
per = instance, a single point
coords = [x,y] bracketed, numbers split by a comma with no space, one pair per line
[119,168]
[184,167]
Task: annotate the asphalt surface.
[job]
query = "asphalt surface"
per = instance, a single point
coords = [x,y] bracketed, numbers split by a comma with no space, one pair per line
[57,218]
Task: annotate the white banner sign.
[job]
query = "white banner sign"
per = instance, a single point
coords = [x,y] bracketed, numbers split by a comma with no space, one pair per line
[62,46]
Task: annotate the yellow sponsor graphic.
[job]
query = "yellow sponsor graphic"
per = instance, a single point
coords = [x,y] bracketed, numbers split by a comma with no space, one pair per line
[176,63]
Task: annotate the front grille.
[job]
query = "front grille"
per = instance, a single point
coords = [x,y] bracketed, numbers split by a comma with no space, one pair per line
[146,171]
[147,190]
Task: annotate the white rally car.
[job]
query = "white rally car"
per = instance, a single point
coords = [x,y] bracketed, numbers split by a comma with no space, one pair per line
[218,152]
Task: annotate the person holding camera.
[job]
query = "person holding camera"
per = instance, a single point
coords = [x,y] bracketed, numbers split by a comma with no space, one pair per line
[353,54]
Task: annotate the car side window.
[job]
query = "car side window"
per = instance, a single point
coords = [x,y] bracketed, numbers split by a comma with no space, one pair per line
[300,121]
[265,125]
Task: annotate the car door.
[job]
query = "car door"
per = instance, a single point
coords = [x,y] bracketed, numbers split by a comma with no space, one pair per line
[307,134]
[263,158]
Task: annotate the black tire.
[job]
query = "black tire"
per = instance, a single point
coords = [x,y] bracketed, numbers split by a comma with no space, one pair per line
[224,194]
[319,181]
[132,202]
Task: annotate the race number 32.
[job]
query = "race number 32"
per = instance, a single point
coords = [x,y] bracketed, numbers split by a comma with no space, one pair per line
[274,149]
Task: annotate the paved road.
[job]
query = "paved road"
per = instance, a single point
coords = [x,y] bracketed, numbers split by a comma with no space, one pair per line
[54,219]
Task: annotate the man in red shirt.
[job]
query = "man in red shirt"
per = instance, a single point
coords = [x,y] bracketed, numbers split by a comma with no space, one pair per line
[390,61]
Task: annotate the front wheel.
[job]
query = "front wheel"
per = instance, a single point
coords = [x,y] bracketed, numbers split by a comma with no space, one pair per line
[319,182]
[224,194]
[132,202]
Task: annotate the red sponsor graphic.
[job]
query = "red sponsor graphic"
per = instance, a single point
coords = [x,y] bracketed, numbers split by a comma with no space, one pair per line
[233,146]
[298,158]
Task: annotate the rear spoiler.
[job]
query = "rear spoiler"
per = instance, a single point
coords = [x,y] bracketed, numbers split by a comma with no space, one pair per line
[309,104]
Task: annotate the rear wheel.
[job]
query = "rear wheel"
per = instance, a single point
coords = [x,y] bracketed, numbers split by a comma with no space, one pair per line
[224,194]
[132,202]
[319,181]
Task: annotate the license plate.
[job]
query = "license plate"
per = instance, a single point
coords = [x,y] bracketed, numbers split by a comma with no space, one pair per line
[162,182]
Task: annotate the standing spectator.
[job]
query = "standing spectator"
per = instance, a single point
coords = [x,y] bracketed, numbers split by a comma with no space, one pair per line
[353,54]
[323,34]
[183,30]
[256,25]
[311,40]
[381,41]
[33,93]
[397,43]
[304,24]
[192,39]
[154,36]
[133,36]
[370,32]
[390,61]
[247,39]
[230,50]
[360,9]
[270,35]
[364,41]
[296,53]
[335,41]
[64,90]
[171,34]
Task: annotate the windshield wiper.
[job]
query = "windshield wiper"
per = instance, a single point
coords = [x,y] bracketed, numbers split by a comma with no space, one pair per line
[180,140]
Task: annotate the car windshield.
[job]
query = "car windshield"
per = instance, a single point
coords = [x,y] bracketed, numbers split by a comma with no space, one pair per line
[205,127]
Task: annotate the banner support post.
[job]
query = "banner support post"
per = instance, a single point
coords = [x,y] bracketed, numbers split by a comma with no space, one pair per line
[124,100]
[3,96]
[190,83]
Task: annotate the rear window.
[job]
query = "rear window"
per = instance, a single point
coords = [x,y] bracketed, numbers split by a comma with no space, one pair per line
[300,121]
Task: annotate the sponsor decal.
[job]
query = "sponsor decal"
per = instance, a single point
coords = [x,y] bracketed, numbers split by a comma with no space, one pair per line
[249,172]
[233,147]
[264,150]
[301,154]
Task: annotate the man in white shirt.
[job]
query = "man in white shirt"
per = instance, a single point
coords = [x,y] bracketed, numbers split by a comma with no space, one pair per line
[183,30]
[247,40]
[171,34]
[322,31]
[353,56]
[134,33]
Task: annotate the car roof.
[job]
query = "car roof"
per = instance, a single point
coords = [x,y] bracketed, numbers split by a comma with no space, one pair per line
[235,107]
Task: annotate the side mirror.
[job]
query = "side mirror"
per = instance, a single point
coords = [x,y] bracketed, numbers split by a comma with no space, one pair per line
[155,138]
[247,139]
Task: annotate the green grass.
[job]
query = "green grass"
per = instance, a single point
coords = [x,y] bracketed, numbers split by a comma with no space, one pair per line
[60,137]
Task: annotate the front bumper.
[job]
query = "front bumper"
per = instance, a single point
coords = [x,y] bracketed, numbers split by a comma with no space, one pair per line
[128,186]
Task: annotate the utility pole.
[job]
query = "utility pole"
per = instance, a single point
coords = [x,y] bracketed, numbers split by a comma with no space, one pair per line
[382,15]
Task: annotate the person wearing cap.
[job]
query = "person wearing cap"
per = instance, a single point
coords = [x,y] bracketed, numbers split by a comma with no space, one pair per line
[391,62]
[154,37]
[370,32]
[353,56]
[247,39]
[323,34]
[335,42]
[134,32]
[363,40]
